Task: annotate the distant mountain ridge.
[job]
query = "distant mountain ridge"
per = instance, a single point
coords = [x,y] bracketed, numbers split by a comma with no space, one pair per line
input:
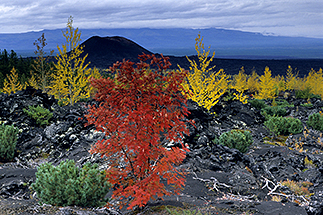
[180,42]
[104,51]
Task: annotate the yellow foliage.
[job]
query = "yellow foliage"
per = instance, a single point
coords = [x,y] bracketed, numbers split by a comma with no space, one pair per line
[11,83]
[314,81]
[309,163]
[94,73]
[252,83]
[239,83]
[266,86]
[241,97]
[299,188]
[291,79]
[33,82]
[280,83]
[203,85]
[300,83]
[276,198]
[71,81]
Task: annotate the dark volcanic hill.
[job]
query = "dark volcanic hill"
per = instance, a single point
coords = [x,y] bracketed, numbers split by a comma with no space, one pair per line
[104,51]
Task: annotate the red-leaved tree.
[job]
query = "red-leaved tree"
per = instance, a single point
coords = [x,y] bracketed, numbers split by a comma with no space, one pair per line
[138,108]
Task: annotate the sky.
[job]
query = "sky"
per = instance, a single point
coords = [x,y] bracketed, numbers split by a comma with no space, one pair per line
[270,17]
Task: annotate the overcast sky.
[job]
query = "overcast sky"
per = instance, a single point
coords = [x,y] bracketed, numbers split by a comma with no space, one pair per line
[278,17]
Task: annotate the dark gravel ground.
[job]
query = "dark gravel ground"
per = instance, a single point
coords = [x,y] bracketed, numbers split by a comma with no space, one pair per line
[195,197]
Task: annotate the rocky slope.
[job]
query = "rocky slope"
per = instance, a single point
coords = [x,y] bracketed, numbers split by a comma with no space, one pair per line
[221,180]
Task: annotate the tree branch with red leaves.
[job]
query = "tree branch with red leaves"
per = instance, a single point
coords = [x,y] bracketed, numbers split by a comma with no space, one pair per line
[138,107]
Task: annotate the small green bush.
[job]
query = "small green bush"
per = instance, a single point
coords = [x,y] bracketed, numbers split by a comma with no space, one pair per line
[8,140]
[228,96]
[306,94]
[284,125]
[274,111]
[309,105]
[257,103]
[68,185]
[62,102]
[283,103]
[237,139]
[315,121]
[40,114]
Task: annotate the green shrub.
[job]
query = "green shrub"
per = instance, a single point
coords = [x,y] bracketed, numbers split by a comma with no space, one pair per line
[229,96]
[309,105]
[315,121]
[257,103]
[237,139]
[284,125]
[68,185]
[305,94]
[40,114]
[62,102]
[274,111]
[8,140]
[283,103]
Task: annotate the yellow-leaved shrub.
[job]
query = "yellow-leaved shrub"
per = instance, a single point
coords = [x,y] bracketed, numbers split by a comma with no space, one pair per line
[11,83]
[280,84]
[266,86]
[314,81]
[252,82]
[291,79]
[204,85]
[239,83]
[70,83]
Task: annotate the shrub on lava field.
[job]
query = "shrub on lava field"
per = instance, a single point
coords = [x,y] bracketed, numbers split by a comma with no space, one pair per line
[274,111]
[40,114]
[68,185]
[8,139]
[283,125]
[283,103]
[299,188]
[257,103]
[142,106]
[237,139]
[315,121]
[306,94]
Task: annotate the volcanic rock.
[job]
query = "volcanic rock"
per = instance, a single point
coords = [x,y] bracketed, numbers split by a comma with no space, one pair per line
[220,180]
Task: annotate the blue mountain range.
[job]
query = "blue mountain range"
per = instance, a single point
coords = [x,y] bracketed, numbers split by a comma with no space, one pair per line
[229,44]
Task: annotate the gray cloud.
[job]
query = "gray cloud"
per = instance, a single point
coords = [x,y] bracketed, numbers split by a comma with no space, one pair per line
[280,17]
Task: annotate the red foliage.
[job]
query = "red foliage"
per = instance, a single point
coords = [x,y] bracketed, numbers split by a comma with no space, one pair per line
[137,107]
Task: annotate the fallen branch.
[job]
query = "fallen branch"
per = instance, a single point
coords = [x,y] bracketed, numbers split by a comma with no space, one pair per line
[214,184]
[292,197]
[213,181]
[268,187]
